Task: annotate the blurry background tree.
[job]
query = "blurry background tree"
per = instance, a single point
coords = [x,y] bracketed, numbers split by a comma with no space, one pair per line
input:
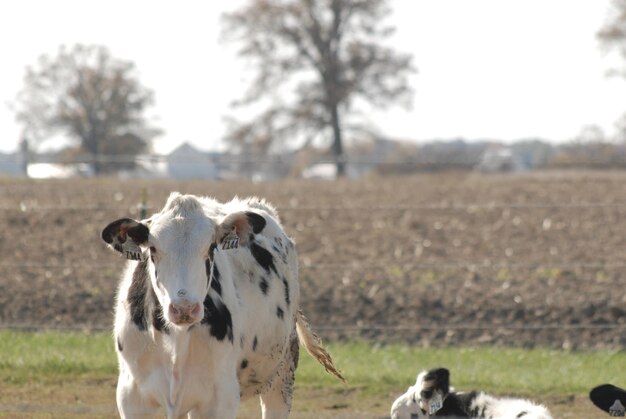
[91,98]
[612,36]
[326,55]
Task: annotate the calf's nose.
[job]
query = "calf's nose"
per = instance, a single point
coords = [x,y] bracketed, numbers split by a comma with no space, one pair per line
[184,312]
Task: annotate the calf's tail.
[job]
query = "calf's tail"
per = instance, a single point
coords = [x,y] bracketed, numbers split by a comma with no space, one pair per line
[313,345]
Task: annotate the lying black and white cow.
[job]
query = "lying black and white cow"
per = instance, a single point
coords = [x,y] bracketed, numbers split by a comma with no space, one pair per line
[432,397]
[207,312]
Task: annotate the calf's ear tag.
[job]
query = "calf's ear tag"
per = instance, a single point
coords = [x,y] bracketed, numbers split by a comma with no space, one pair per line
[231,241]
[617,409]
[132,251]
[435,403]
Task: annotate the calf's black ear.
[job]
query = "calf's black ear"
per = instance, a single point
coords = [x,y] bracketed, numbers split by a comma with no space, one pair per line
[440,378]
[240,224]
[118,233]
[256,221]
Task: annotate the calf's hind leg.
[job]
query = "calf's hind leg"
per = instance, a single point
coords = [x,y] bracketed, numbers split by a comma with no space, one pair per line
[276,402]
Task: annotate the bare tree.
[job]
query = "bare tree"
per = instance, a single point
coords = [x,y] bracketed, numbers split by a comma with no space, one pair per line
[90,97]
[314,60]
[613,34]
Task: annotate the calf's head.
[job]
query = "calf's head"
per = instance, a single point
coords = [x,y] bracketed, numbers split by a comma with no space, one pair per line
[178,245]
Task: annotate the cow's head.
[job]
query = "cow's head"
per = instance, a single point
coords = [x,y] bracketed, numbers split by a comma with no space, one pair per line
[427,397]
[178,245]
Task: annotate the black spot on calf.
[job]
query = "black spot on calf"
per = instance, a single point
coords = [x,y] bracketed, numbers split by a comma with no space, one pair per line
[157,315]
[264,285]
[137,295]
[144,305]
[218,318]
[286,284]
[462,402]
[255,342]
[280,313]
[294,348]
[215,283]
[244,364]
[263,257]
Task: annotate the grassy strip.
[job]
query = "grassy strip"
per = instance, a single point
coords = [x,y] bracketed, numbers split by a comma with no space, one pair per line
[49,357]
[52,356]
[535,372]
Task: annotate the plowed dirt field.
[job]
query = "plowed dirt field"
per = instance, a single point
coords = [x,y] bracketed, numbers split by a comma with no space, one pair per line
[522,260]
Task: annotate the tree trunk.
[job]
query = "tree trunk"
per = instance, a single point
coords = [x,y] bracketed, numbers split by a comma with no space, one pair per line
[93,146]
[337,142]
[25,155]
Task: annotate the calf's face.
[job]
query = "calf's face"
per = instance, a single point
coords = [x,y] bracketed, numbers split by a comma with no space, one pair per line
[180,249]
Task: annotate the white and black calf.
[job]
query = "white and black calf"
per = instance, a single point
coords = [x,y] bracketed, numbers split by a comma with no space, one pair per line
[432,397]
[207,311]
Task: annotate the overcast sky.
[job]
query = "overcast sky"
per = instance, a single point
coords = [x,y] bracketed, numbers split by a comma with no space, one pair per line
[487,69]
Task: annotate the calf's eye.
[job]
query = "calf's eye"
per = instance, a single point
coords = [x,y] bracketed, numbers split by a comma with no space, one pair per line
[426,394]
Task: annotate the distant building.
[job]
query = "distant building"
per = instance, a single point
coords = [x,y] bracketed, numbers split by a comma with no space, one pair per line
[187,162]
[59,171]
[323,171]
[499,159]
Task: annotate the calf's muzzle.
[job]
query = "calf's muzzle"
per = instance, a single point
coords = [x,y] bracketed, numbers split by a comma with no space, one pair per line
[185,312]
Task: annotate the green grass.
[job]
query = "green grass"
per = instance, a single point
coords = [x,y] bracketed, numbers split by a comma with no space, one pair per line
[385,369]
[52,357]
